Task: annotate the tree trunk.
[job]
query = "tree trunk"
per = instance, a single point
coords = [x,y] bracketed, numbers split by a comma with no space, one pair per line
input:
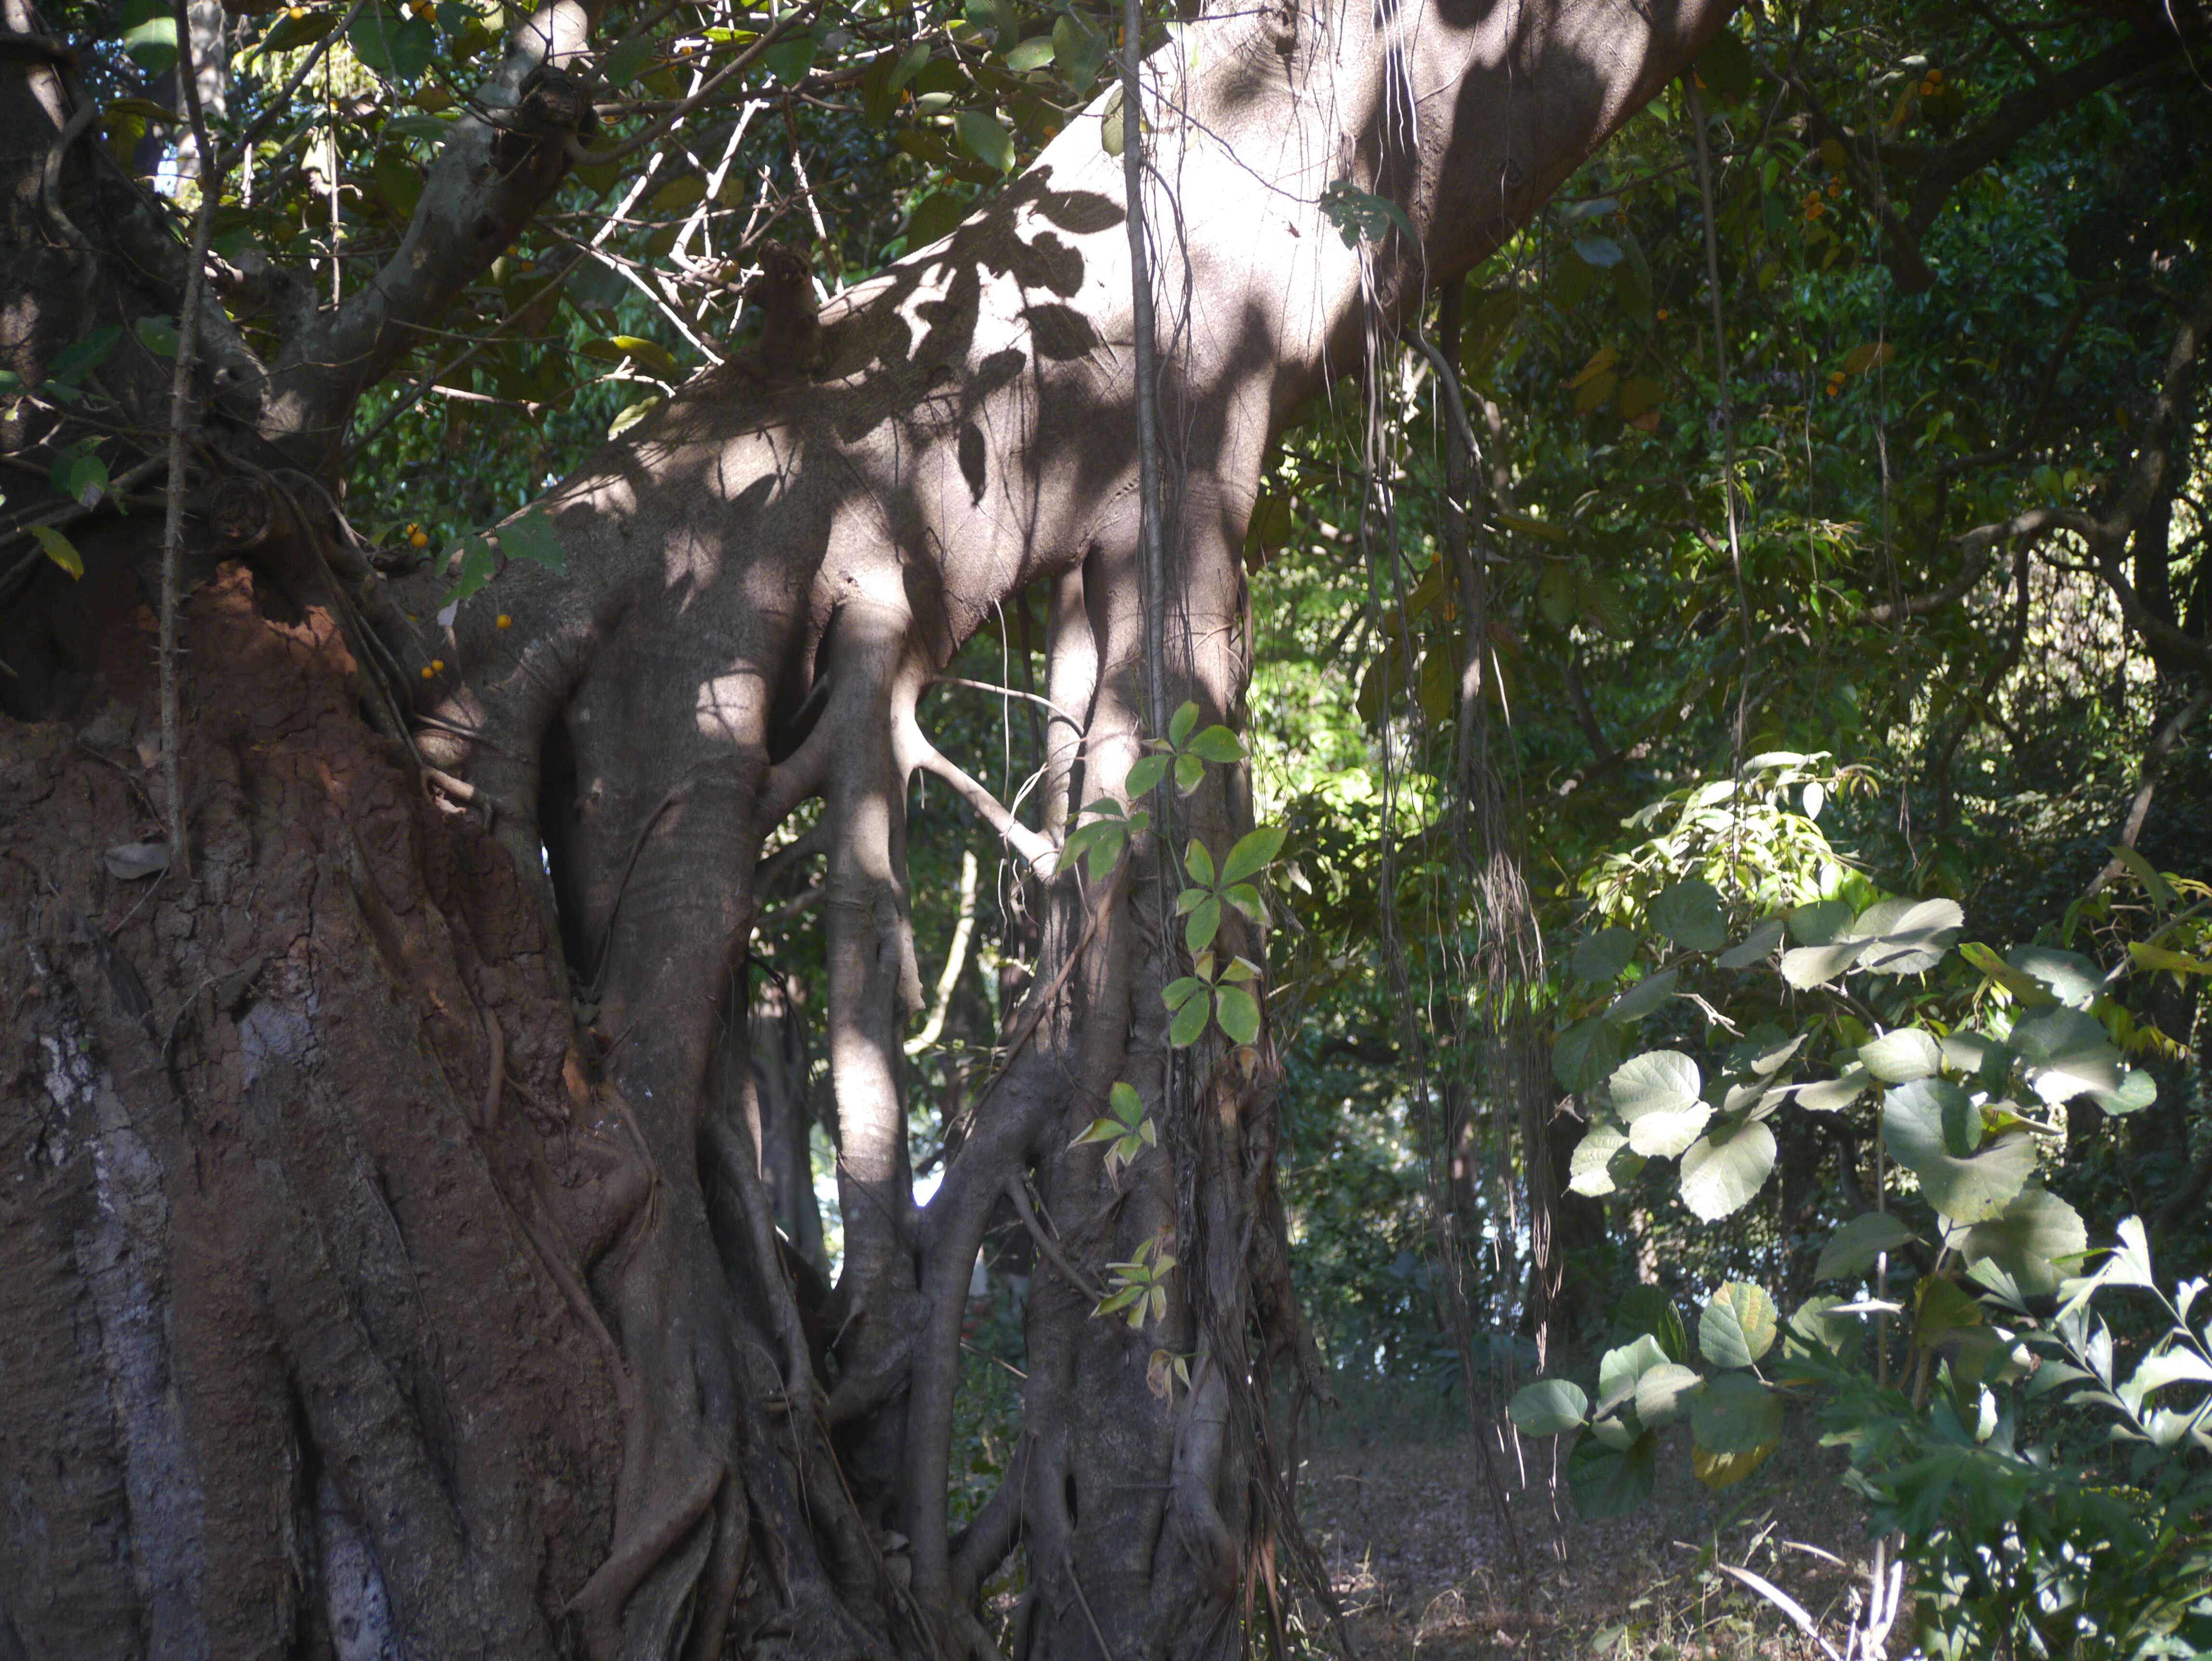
[361,1302]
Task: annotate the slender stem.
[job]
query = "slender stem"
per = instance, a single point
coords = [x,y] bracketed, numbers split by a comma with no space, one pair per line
[1147,365]
[180,413]
[1696,107]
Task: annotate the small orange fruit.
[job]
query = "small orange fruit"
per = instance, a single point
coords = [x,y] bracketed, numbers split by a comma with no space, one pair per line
[438,665]
[417,539]
[427,672]
[1663,313]
[505,621]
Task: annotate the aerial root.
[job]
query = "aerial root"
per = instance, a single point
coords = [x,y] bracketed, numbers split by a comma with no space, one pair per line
[630,1561]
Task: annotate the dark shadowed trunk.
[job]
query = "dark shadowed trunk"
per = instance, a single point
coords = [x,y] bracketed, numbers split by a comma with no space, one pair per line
[352,1294]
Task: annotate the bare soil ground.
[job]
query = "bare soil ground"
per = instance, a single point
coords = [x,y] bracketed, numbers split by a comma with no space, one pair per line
[1395,1495]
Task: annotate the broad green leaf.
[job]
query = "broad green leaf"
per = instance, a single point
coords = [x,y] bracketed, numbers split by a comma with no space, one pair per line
[1663,1392]
[2137,1091]
[1181,992]
[2026,1238]
[631,414]
[74,362]
[1820,923]
[1826,1095]
[1739,1325]
[985,138]
[1550,1406]
[1190,1022]
[1690,915]
[158,335]
[1215,743]
[1756,947]
[1966,1191]
[1202,925]
[1815,1324]
[1591,1169]
[623,64]
[1198,859]
[1033,53]
[1584,1054]
[2158,957]
[789,60]
[1189,773]
[1940,1307]
[152,44]
[1658,1081]
[390,43]
[1852,1248]
[58,549]
[1238,1012]
[651,353]
[1080,50]
[1146,773]
[2067,1054]
[2071,977]
[1599,958]
[1807,966]
[532,537]
[1901,1057]
[1735,1414]
[1647,1311]
[1911,936]
[911,62]
[1253,852]
[1181,723]
[1721,1173]
[1722,1471]
[1611,1483]
[1126,1104]
[1620,1367]
[1640,1000]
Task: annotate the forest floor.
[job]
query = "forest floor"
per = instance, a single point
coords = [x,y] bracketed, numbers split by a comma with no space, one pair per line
[1395,1495]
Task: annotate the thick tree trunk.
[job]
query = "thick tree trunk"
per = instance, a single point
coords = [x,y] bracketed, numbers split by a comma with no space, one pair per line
[358,1298]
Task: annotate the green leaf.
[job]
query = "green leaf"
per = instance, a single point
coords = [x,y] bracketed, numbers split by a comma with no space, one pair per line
[1238,1012]
[631,414]
[985,138]
[1662,1393]
[1181,723]
[789,60]
[74,362]
[1190,1022]
[1080,50]
[1601,251]
[1198,862]
[1721,1470]
[1126,1104]
[1202,925]
[1967,1190]
[2071,977]
[1611,1483]
[2026,1240]
[1362,216]
[1690,915]
[152,44]
[1101,1130]
[2067,1054]
[1033,53]
[1852,1248]
[1808,966]
[911,63]
[1550,1406]
[2137,1091]
[1826,1095]
[532,537]
[1910,936]
[1190,771]
[1215,743]
[1735,1414]
[391,44]
[1144,774]
[1901,1057]
[1640,1000]
[1590,1169]
[1815,1324]
[1726,67]
[1757,945]
[158,335]
[622,65]
[1723,1171]
[1584,1054]
[1253,852]
[1600,957]
[1181,992]
[1820,923]
[59,549]
[651,353]
[1620,1368]
[1648,1312]
[1655,1094]
[1739,1325]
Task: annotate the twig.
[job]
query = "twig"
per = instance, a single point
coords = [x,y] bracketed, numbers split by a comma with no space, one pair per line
[2161,745]
[1010,693]
[180,412]
[1068,1272]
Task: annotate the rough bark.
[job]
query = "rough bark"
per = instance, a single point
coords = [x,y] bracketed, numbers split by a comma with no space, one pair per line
[359,1298]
